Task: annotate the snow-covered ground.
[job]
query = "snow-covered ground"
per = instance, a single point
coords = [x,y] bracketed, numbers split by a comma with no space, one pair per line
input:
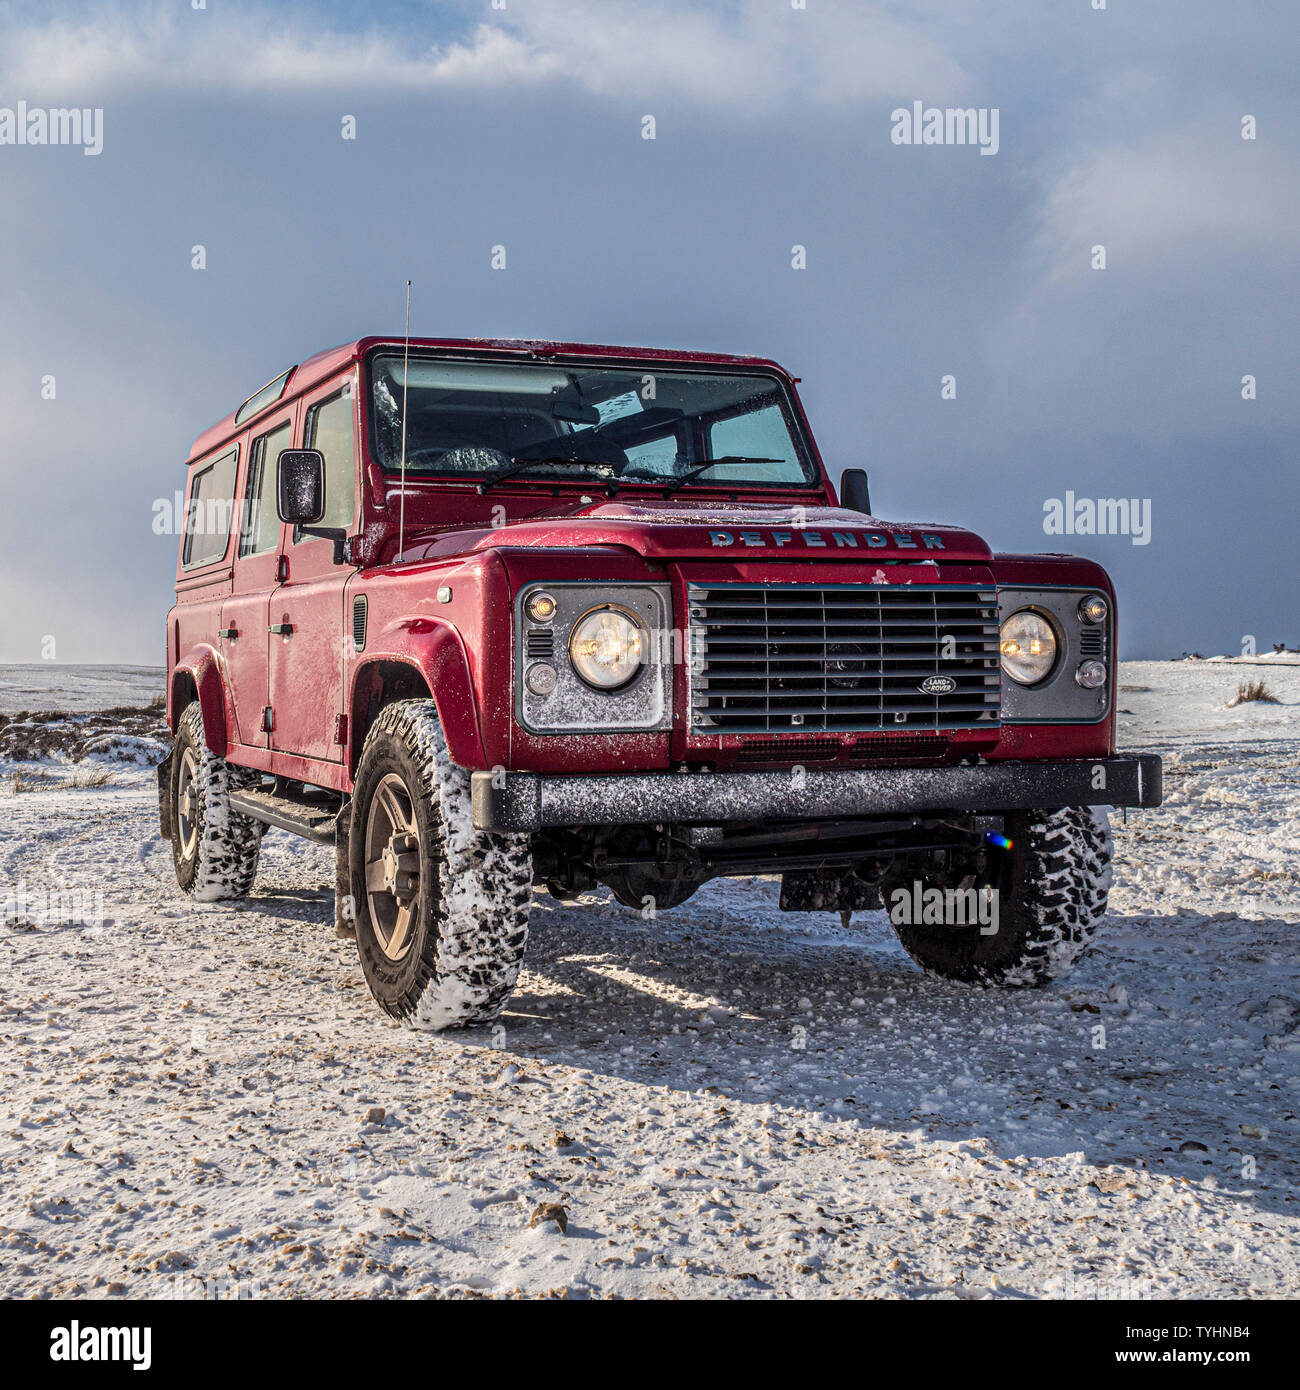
[730,1101]
[50,686]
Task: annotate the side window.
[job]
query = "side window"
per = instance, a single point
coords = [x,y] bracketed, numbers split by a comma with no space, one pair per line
[208,515]
[758,434]
[329,429]
[261,521]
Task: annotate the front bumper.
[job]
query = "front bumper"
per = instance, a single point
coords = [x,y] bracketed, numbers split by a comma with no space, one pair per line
[525,801]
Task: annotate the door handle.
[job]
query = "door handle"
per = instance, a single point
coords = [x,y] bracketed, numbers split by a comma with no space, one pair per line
[281,629]
[229,633]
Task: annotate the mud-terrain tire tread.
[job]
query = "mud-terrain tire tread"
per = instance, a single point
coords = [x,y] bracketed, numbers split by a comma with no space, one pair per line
[476,924]
[1048,916]
[224,865]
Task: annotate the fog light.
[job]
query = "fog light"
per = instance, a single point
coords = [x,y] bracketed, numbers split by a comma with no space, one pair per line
[540,608]
[1094,609]
[1091,674]
[540,679]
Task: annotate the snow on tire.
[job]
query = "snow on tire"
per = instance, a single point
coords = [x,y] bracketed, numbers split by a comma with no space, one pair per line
[441,908]
[1051,895]
[215,851]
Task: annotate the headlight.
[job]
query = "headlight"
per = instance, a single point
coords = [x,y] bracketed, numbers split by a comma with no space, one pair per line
[1028,645]
[606,648]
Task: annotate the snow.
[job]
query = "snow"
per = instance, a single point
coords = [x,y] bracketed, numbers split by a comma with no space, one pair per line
[76,688]
[729,1101]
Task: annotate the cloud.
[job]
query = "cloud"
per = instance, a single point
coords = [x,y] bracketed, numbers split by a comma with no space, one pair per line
[1197,188]
[746,57]
[222,128]
[1197,226]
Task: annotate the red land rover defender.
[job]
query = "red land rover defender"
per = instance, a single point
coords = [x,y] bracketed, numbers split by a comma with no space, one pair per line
[491,614]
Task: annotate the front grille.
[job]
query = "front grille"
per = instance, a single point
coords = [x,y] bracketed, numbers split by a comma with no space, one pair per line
[894,749]
[789,750]
[773,658]
[920,748]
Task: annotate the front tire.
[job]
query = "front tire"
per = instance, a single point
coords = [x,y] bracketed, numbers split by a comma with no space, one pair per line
[1052,890]
[215,851]
[441,908]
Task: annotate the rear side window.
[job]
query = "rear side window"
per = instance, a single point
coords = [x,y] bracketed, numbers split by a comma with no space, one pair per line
[208,514]
[259,400]
[261,520]
[329,429]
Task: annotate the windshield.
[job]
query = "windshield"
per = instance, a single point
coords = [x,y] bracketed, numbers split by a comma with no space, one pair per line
[616,424]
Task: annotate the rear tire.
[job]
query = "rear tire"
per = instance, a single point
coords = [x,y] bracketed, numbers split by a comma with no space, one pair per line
[1052,892]
[441,908]
[214,850]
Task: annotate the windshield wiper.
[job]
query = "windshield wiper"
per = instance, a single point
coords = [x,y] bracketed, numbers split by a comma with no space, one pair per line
[521,464]
[672,484]
[672,481]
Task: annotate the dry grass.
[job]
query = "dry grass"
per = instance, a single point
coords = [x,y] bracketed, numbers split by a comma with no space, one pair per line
[24,780]
[20,781]
[91,777]
[1249,692]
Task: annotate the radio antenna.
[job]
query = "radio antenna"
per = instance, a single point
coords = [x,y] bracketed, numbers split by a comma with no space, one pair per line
[406,358]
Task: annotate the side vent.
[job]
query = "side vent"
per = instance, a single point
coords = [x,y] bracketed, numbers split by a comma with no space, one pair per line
[359,622]
[1092,642]
[539,644]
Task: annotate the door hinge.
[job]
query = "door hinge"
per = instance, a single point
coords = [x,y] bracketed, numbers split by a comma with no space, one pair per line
[341,729]
[268,719]
[229,633]
[281,568]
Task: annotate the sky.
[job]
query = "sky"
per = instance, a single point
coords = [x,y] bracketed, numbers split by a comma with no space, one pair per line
[522,124]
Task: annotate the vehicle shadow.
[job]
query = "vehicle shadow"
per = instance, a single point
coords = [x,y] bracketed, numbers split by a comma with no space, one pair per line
[1171,1049]
[290,904]
[1168,1050]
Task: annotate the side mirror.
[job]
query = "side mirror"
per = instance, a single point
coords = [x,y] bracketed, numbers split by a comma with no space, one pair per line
[300,486]
[854,492]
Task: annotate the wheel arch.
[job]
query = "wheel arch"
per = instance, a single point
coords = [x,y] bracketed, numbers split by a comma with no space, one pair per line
[197,676]
[427,665]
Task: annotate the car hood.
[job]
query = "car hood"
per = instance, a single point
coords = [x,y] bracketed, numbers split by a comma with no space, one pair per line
[717,530]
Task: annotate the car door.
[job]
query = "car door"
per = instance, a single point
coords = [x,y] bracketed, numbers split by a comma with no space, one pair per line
[307,649]
[244,637]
